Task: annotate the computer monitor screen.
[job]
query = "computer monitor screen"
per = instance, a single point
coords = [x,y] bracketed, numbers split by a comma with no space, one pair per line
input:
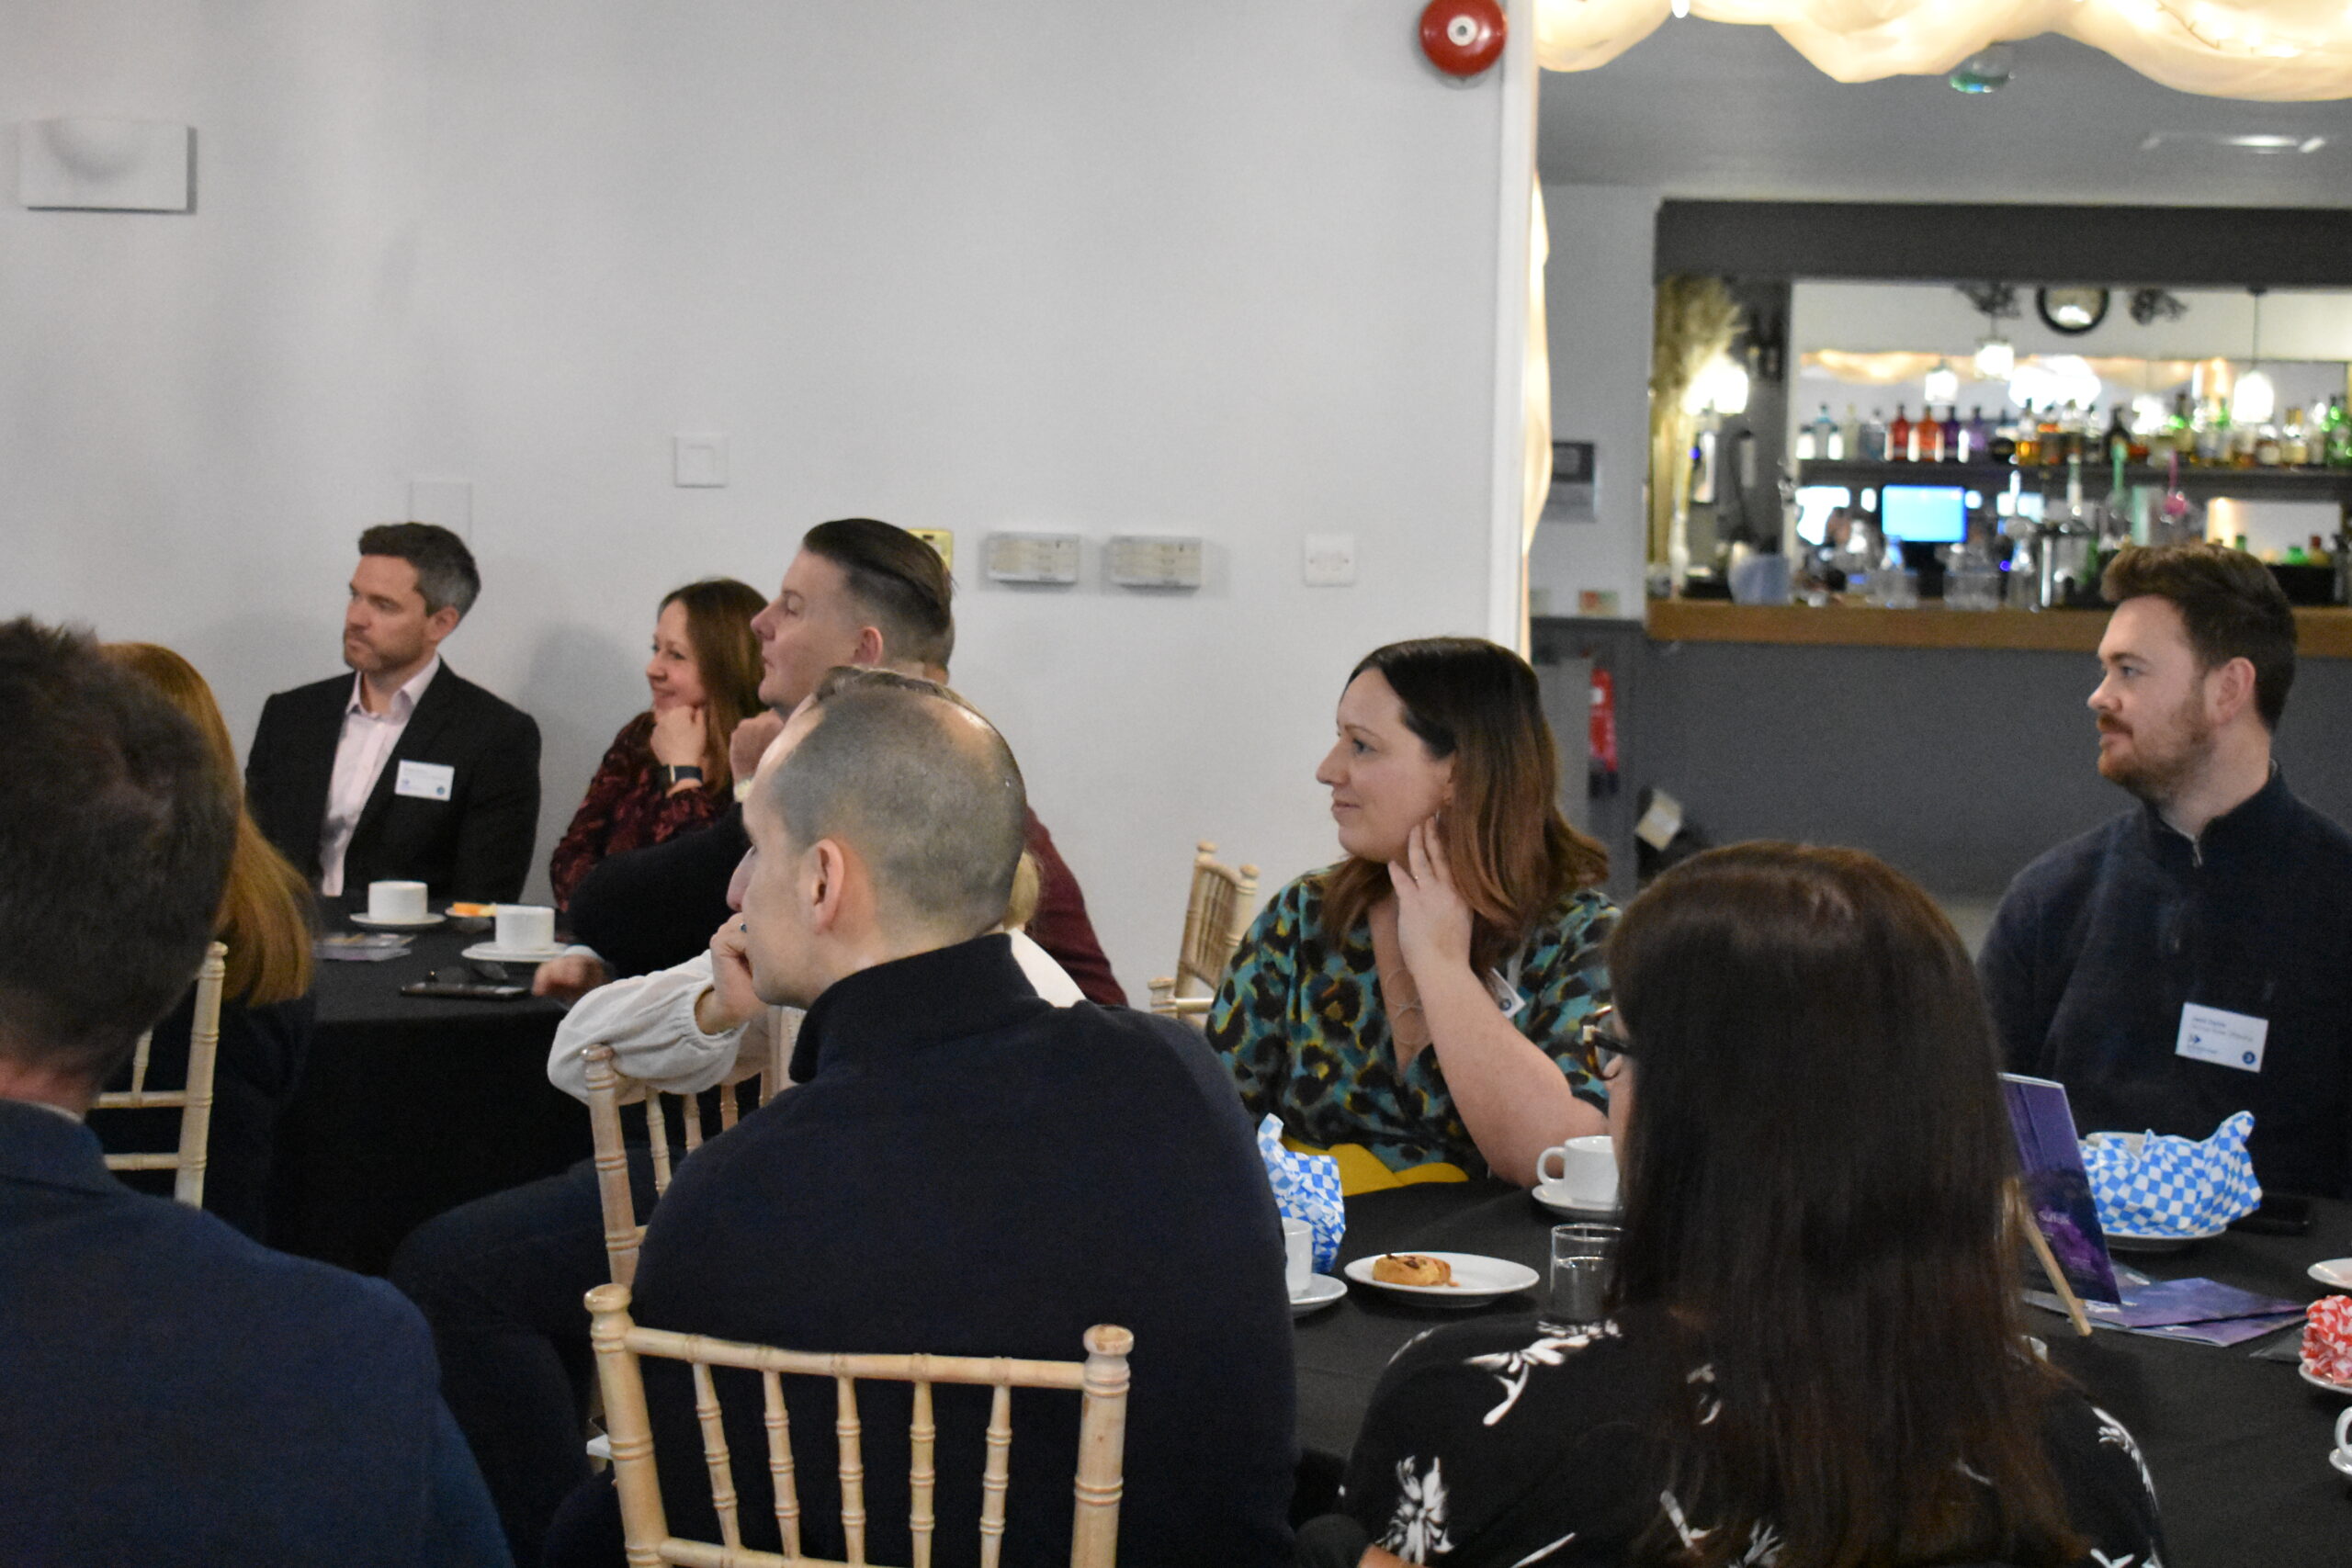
[1815,503]
[1926,514]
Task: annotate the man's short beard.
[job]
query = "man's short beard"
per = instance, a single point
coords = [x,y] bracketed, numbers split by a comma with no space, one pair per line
[2159,781]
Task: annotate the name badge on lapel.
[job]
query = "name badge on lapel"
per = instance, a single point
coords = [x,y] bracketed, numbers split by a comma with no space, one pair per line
[425,781]
[2225,1039]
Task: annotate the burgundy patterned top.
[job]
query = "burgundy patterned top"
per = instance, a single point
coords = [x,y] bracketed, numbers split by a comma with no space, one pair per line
[627,808]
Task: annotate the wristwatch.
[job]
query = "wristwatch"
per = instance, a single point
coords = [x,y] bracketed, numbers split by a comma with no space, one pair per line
[672,774]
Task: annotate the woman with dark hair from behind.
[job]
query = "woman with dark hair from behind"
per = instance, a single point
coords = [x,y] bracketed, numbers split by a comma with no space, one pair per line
[1414,1009]
[267,1011]
[667,772]
[1814,1356]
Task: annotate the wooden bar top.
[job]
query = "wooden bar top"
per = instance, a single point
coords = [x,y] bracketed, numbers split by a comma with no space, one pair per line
[2320,633]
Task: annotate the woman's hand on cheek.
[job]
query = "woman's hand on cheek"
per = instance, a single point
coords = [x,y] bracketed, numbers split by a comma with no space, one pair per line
[1432,921]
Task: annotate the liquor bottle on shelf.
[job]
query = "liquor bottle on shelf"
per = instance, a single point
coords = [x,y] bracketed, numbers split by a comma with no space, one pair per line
[1850,436]
[1975,437]
[2294,441]
[1928,438]
[1948,434]
[2180,431]
[2049,437]
[1825,435]
[2338,441]
[2027,450]
[2118,434]
[2269,450]
[1875,439]
[2003,445]
[1900,447]
[1807,450]
[2211,432]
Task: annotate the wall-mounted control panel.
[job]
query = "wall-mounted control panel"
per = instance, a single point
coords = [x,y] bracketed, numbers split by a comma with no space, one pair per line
[1153,561]
[1032,558]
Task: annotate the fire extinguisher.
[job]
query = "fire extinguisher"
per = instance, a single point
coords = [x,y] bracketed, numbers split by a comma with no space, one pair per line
[1600,782]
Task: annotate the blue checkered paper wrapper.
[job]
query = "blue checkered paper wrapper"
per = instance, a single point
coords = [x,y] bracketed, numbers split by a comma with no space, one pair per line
[2172,1186]
[1307,1187]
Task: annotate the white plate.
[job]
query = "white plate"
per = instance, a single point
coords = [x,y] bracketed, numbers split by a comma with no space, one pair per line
[1569,1210]
[2317,1382]
[492,953]
[2125,1241]
[2342,1462]
[1476,1279]
[2335,1273]
[374,924]
[1321,1291]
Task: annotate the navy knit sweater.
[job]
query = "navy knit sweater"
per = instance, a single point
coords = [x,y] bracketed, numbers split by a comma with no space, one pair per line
[2100,943]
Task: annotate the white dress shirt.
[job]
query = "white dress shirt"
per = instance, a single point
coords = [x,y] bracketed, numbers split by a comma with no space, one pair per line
[648,1020]
[359,756]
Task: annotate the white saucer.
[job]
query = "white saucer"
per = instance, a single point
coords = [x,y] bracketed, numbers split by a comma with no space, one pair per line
[1569,1210]
[2342,1462]
[2317,1382]
[1476,1279]
[491,952]
[2126,1241]
[374,924]
[2335,1273]
[1321,1291]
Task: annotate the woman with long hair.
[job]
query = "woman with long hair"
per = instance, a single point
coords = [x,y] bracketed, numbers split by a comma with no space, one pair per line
[666,773]
[1416,1007]
[266,1012]
[1813,1355]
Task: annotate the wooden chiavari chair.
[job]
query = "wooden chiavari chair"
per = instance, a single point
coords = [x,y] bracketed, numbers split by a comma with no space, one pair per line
[1216,916]
[608,1090]
[193,1099]
[1100,1380]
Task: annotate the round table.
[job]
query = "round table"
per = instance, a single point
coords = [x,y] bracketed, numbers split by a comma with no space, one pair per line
[411,1105]
[2238,1446]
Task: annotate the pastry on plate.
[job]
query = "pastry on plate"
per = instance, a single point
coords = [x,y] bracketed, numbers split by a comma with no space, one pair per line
[1410,1268]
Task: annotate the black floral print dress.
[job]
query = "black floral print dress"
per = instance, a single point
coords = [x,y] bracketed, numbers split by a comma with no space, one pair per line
[1299,1020]
[1505,1444]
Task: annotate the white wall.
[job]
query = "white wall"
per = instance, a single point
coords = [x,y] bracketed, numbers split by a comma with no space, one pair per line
[1220,268]
[1597,295]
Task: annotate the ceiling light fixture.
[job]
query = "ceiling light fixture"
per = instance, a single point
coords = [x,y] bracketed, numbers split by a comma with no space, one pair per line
[2255,400]
[1943,385]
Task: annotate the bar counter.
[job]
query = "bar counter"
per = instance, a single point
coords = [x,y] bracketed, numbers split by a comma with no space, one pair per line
[2324,633]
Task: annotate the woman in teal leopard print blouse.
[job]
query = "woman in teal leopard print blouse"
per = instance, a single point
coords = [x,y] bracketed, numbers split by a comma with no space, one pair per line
[1422,997]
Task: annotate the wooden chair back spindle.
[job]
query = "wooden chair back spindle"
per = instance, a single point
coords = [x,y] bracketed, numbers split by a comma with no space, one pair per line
[1216,917]
[608,1090]
[1101,1381]
[193,1099]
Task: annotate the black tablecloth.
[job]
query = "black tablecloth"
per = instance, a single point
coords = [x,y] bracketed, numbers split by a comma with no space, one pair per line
[410,1105]
[2238,1447]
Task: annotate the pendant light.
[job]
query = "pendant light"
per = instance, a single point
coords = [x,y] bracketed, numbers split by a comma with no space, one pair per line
[2255,400]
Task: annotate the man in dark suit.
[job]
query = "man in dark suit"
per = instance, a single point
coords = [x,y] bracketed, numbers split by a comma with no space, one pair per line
[404,771]
[176,1395]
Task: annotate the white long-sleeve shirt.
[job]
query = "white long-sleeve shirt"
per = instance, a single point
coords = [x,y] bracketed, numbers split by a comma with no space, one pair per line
[648,1020]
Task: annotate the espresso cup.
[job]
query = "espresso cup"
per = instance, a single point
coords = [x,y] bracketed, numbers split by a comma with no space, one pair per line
[2343,1455]
[1588,1173]
[1298,1256]
[526,927]
[396,900]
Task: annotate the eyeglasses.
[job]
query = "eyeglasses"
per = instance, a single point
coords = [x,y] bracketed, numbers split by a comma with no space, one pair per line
[1601,1044]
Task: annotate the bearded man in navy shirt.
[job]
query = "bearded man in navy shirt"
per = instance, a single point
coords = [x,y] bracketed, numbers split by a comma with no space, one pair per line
[2189,959]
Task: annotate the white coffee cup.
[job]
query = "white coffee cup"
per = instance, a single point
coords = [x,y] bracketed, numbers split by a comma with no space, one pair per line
[1588,1173]
[2343,1455]
[396,900]
[526,927]
[1298,1256]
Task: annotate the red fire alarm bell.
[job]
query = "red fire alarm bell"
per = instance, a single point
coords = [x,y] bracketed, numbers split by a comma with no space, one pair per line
[1461,37]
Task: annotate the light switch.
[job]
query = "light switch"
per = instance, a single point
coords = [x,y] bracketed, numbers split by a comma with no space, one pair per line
[1330,560]
[701,461]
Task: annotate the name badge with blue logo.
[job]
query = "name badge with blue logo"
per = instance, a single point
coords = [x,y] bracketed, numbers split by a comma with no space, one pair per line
[2225,1039]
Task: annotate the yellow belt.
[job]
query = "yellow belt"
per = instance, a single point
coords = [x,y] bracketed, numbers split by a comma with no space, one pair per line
[1361,1170]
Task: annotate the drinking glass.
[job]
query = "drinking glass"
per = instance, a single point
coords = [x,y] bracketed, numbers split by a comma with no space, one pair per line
[1576,1292]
